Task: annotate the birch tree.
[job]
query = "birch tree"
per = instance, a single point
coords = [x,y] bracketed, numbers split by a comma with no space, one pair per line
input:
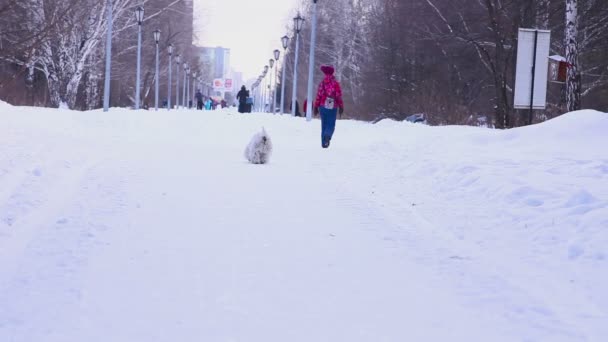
[573,80]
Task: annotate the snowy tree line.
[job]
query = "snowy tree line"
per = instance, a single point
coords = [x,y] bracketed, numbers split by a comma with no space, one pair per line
[453,60]
[53,51]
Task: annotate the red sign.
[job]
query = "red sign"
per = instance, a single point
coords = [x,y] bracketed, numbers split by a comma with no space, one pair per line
[228,84]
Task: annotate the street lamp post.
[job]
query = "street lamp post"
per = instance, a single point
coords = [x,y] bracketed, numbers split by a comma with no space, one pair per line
[139,15]
[106,89]
[285,42]
[184,104]
[188,88]
[193,95]
[264,92]
[258,97]
[178,61]
[271,87]
[298,22]
[257,94]
[157,78]
[311,61]
[277,54]
[169,84]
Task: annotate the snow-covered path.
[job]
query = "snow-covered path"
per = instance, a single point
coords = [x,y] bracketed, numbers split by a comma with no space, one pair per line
[152,227]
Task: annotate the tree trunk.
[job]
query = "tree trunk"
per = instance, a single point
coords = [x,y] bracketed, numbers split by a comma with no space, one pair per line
[573,80]
[54,91]
[92,88]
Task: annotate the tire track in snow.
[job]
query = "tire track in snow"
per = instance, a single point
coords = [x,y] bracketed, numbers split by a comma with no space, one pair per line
[43,289]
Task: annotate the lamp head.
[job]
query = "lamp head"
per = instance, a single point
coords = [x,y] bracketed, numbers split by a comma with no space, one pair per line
[297,23]
[139,15]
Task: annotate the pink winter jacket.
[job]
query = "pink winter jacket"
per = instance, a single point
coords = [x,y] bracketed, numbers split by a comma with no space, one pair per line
[329,87]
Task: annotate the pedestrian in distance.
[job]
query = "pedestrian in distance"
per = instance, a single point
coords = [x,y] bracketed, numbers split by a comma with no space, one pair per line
[199,100]
[297,108]
[242,96]
[328,103]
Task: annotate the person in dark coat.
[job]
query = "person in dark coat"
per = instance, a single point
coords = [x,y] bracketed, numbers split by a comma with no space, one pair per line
[199,100]
[297,108]
[242,96]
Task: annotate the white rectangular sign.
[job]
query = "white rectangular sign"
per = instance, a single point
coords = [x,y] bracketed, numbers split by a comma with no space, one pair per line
[523,71]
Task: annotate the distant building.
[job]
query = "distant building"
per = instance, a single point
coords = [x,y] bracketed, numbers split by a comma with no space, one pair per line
[218,60]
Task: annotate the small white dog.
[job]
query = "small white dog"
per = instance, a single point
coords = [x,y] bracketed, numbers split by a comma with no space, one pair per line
[259,149]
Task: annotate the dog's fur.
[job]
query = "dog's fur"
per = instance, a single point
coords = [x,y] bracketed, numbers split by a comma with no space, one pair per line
[259,149]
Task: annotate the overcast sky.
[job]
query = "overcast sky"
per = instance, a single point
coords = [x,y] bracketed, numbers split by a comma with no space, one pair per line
[251,29]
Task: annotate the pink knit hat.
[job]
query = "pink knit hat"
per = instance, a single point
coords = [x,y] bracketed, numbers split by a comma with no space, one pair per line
[327,69]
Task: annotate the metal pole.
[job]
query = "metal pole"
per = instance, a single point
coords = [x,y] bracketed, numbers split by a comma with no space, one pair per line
[169,84]
[177,85]
[265,92]
[156,81]
[137,83]
[184,104]
[533,78]
[271,93]
[274,92]
[311,62]
[263,102]
[106,90]
[295,77]
[283,82]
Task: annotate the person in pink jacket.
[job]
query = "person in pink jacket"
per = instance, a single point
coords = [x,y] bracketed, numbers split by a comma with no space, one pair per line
[328,103]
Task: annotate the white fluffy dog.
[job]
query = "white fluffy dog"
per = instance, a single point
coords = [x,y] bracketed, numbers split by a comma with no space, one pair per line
[259,149]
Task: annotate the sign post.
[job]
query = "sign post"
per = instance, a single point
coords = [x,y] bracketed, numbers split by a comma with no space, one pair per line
[531,70]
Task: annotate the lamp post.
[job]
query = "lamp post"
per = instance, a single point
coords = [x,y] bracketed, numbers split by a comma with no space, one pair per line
[139,15]
[184,104]
[188,88]
[298,22]
[311,61]
[169,84]
[259,86]
[277,54]
[265,93]
[252,94]
[193,95]
[157,77]
[106,89]
[178,61]
[285,42]
[257,93]
[271,87]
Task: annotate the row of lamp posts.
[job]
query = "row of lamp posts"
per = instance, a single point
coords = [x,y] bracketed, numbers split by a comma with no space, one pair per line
[139,15]
[259,86]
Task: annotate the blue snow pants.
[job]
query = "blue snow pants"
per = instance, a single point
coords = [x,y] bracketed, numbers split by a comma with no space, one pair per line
[328,122]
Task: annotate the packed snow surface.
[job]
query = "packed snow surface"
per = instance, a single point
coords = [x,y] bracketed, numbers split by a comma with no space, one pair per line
[151,226]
